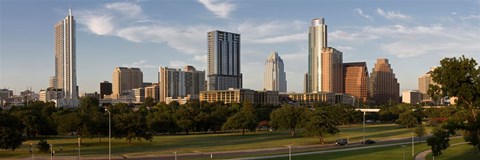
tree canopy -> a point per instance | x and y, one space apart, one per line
459 78
287 117
10 134
320 123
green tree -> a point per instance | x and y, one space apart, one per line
94 121
460 78
420 131
130 125
407 119
149 102
320 123
185 115
43 146
287 117
439 141
70 122
219 116
33 123
162 119
245 119
10 134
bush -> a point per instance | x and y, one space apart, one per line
43 146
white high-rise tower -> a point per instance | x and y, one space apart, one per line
317 40
274 76
65 61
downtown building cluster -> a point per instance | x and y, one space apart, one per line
328 79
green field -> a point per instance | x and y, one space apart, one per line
206 142
390 153
463 152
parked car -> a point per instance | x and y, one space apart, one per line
341 142
368 141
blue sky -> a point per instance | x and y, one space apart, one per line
413 35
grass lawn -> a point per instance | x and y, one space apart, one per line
167 144
461 152
386 153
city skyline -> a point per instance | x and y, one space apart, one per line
413 40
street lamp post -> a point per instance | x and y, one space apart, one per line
51 151
289 152
79 146
365 112
175 153
109 134
403 147
413 146
364 126
32 146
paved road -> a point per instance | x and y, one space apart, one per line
311 149
422 155
327 151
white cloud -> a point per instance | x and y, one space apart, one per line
268 32
98 24
186 40
140 64
177 64
404 41
126 8
200 58
391 15
221 9
339 35
471 17
282 39
360 12
344 48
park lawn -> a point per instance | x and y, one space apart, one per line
390 153
461 152
167 144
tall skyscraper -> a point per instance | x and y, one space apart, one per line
317 40
224 60
356 79
125 79
65 61
332 71
324 63
383 86
274 76
105 89
176 83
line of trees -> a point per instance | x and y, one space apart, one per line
39 120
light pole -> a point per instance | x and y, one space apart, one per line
289 152
403 147
32 150
364 112
413 146
175 153
79 145
109 134
51 151
364 126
